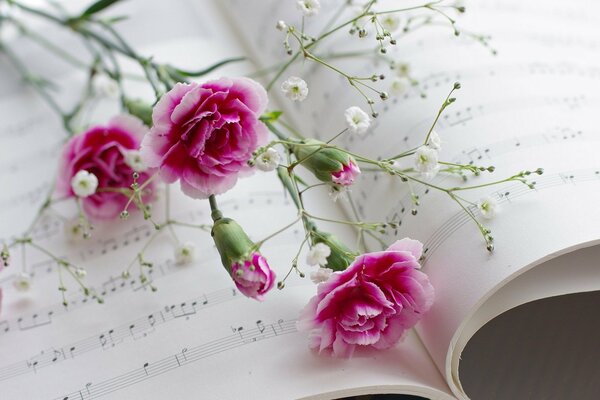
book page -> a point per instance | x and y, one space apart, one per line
196 334
533 105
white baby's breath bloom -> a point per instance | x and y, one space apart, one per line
426 161
402 69
321 275
295 88
434 141
134 160
318 254
73 230
84 183
488 207
398 86
22 282
390 22
105 86
358 121
184 253
281 25
80 273
269 160
309 7
336 192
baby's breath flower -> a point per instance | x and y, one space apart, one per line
318 254
321 275
358 121
398 86
434 141
22 282
281 25
80 273
426 161
336 192
295 88
184 253
269 160
309 7
133 159
84 183
488 207
402 69
390 22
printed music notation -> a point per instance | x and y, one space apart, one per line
481 156
117 284
507 195
241 336
108 339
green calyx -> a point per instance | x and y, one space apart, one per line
341 256
232 242
321 161
140 109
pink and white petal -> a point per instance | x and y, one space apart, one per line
407 244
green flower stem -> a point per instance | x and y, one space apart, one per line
216 214
259 244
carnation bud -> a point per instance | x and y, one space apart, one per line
327 164
140 109
340 257
246 266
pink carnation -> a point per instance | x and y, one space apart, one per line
203 135
346 175
372 303
254 278
101 151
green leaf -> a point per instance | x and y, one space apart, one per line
270 116
97 7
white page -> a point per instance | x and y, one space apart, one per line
533 105
103 349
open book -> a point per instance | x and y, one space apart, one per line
533 105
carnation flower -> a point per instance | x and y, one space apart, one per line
488 207
295 88
371 304
248 268
253 277
347 174
101 152
204 134
84 184
309 7
318 254
269 160
184 253
321 275
358 121
426 161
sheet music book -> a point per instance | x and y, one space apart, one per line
533 104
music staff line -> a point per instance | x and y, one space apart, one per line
134 330
115 284
506 195
478 155
149 370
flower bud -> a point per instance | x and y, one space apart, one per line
340 257
248 268
140 109
327 164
